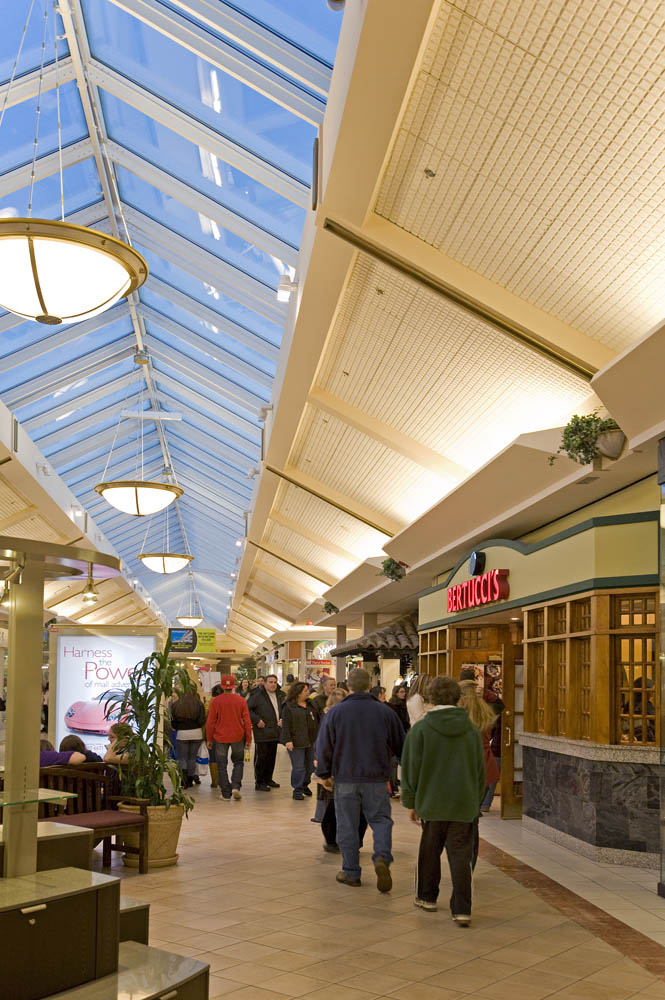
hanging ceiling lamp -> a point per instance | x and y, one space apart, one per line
89 595
191 614
164 561
52 271
139 497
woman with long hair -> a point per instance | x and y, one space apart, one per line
417 698
398 704
188 715
244 689
484 718
300 725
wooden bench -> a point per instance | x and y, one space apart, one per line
98 806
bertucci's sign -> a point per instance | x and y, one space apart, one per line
484 589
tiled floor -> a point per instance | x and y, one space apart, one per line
255 896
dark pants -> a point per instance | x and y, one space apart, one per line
187 751
221 754
265 755
457 838
371 798
302 765
329 825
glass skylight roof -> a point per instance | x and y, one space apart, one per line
218 215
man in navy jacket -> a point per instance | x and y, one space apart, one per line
355 748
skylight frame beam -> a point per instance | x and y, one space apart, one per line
45 166
229 390
288 58
217 431
227 58
32 390
197 400
71 430
79 402
201 203
239 286
209 347
211 317
26 87
199 134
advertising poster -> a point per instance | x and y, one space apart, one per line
89 666
318 653
193 640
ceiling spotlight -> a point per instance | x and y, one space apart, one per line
90 595
239 542
254 472
336 4
285 287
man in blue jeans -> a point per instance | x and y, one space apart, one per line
355 749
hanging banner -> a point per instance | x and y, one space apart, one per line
193 640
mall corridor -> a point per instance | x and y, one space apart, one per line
255 897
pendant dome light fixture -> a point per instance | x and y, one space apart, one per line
165 561
139 497
190 614
52 271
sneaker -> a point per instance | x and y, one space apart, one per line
307 791
273 784
262 788
331 848
384 881
345 880
424 904
236 794
225 798
461 919
298 795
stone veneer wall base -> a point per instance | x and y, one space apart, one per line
603 855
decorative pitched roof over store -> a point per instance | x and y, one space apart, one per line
392 639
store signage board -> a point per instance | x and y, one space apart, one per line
88 667
484 589
193 640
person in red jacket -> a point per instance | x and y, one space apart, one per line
229 727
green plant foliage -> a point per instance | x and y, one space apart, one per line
145 730
580 437
246 670
330 608
393 570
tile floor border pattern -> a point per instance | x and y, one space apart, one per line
631 943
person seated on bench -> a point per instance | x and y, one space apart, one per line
116 752
48 757
77 744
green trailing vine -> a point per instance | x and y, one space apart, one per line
393 569
579 439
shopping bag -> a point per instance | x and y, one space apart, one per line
202 760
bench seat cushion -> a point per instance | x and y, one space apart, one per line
104 819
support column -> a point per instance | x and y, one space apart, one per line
340 661
23 721
370 661
661 664
370 622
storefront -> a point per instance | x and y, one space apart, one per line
564 622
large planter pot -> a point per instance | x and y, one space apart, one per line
610 443
164 830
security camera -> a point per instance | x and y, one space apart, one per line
336 4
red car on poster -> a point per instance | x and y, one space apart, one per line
90 716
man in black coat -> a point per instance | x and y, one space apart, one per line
265 711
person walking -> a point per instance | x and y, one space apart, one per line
398 704
320 700
495 702
484 718
300 724
229 728
417 698
244 689
188 715
355 747
443 782
265 710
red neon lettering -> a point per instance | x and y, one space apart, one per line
483 588
495 585
491 586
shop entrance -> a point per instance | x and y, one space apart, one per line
493 646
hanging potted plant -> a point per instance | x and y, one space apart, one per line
330 608
393 570
145 748
588 437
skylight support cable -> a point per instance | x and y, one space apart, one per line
18 56
39 108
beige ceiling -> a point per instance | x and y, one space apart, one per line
512 152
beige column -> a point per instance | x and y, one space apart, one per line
23 721
340 661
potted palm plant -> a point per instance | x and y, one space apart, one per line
143 742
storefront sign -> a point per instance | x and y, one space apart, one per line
193 640
89 667
485 589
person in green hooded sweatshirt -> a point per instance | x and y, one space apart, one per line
443 783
